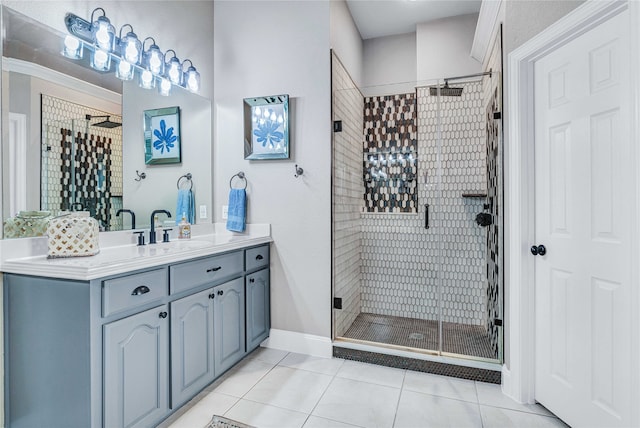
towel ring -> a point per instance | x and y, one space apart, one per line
188 177
241 176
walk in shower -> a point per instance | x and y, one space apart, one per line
417 216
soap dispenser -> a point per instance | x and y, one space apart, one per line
184 228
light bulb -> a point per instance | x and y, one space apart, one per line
273 117
266 113
72 47
257 111
131 52
146 79
165 87
280 119
125 70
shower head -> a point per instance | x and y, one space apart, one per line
445 91
105 123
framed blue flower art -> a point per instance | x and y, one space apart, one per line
162 136
266 127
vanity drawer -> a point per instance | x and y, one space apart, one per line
133 290
257 257
211 270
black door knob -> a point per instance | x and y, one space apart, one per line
220 292
538 250
163 315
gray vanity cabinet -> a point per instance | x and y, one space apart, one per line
229 324
192 359
128 349
136 369
258 315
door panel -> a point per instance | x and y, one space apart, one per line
584 200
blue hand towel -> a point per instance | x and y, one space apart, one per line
186 205
237 210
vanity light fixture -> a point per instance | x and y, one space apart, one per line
153 58
191 78
128 54
173 68
130 46
102 31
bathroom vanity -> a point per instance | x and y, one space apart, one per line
126 337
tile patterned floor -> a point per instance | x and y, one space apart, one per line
272 388
423 334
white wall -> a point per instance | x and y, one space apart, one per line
267 48
345 40
444 48
390 65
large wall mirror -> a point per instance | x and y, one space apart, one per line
73 138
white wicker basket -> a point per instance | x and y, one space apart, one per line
73 236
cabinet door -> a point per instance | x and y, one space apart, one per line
136 369
192 361
229 324
258 308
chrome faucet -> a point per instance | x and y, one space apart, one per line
152 232
133 216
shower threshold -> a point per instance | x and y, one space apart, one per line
421 336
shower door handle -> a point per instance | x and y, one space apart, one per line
426 216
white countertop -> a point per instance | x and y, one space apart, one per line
117 259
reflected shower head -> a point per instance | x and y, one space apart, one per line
105 123
445 90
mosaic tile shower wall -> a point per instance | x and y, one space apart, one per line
348 104
390 152
400 257
74 153
493 99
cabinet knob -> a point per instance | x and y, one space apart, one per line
215 269
163 315
143 289
220 292
259 257
212 295
252 280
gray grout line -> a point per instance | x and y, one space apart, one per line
395 415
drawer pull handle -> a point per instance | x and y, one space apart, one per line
163 315
215 269
220 292
143 289
259 257
212 295
252 280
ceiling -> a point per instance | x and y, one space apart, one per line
379 18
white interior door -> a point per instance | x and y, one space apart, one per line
584 205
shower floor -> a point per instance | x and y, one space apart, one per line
422 334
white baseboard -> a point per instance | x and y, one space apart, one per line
507 383
301 343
